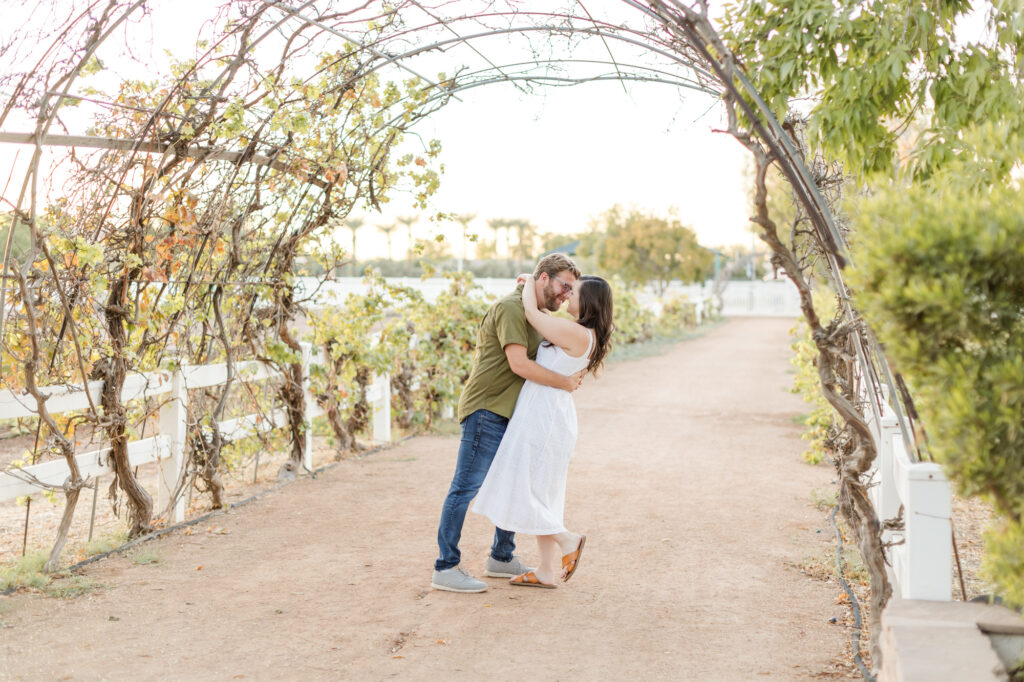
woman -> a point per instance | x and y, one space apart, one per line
524 490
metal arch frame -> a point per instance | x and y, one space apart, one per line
682 21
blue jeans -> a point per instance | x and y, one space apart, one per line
481 434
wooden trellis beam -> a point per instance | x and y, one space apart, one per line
151 147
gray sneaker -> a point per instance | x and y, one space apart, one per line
505 569
457 580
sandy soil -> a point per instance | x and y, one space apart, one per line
687 479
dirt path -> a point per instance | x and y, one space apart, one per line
687 479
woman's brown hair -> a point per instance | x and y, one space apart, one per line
596 313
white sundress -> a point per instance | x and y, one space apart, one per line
524 491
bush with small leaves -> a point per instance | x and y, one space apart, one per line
940 276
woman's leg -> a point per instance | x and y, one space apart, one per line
550 559
567 543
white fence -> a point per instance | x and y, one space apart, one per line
769 298
922 558
169 446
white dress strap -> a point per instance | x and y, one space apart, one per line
590 346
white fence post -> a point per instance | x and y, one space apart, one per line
447 411
382 409
888 504
699 310
307 401
924 564
173 424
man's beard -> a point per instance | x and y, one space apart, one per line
551 301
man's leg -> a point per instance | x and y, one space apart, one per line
504 545
481 435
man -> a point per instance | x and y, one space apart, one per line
505 351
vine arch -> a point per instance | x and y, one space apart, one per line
201 188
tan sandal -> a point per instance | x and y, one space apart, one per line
572 560
530 579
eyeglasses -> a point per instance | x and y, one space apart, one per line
566 288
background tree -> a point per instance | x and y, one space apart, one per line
21 240
354 224
387 230
497 225
433 250
549 241
408 222
486 249
644 248
463 219
526 237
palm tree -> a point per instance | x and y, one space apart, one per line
527 235
409 221
464 220
354 224
497 224
387 230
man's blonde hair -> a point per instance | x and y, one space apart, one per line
554 263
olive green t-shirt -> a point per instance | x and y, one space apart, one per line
492 384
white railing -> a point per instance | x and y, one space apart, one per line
740 298
922 558
168 448
771 298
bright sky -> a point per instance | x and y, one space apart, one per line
564 155
557 157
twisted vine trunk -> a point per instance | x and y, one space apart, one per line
345 430
206 449
402 384
139 502
291 393
359 418
332 404
114 366
836 377
285 310
73 486
206 458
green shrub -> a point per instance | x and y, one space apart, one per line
430 345
633 322
25 572
678 314
940 276
107 543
